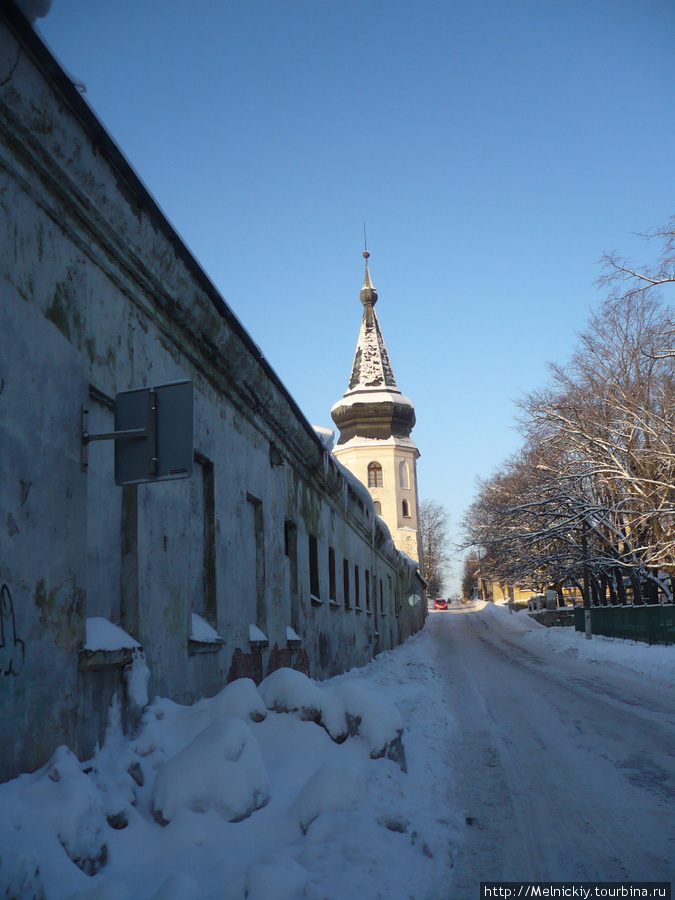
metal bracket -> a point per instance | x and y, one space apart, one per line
131 434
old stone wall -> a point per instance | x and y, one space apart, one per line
99 295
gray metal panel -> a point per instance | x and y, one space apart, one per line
166 452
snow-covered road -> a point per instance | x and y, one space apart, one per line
565 768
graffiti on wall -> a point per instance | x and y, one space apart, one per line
12 648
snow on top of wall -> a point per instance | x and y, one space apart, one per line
327 436
34 9
103 635
291 634
357 486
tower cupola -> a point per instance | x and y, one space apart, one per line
372 406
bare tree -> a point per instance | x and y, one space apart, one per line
470 570
625 278
434 521
590 498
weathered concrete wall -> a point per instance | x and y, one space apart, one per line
98 295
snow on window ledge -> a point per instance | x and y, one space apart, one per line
106 646
292 637
317 601
203 637
257 638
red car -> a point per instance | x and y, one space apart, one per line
440 604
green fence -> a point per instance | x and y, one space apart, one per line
651 624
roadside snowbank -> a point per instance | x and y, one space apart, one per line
656 662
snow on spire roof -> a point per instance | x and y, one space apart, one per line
371 369
372 406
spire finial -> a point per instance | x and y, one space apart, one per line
368 292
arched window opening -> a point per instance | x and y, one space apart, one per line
406 509
374 475
404 474
378 508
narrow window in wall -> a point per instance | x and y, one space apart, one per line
204 475
104 516
345 583
314 588
404 474
378 508
291 554
367 589
406 509
381 598
129 617
374 475
332 587
357 587
186 531
256 507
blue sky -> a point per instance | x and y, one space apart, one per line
494 149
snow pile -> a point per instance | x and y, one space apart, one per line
331 787
337 822
239 698
221 768
279 877
374 719
56 811
289 691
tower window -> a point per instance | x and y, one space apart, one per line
374 475
378 508
404 474
406 509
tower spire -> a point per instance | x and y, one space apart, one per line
372 405
368 292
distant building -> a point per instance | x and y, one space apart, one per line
375 421
269 555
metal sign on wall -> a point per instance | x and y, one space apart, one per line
153 434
